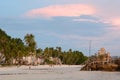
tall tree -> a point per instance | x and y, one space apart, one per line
30 43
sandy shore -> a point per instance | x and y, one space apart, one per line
45 72
36 67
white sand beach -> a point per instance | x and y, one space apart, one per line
63 72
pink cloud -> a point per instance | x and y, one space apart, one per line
68 10
88 20
115 21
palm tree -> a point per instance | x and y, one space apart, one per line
31 46
30 43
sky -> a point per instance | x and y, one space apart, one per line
65 23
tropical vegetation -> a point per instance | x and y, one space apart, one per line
15 48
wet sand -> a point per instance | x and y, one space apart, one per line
64 72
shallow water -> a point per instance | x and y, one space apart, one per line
56 73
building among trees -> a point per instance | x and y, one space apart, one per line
103 56
14 51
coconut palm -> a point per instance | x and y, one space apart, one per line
30 43
31 47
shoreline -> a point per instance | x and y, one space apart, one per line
63 72
5 68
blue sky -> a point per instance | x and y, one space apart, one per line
64 23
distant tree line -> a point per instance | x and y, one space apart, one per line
15 48
67 57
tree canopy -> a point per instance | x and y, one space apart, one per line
15 48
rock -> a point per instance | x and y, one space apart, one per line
101 67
